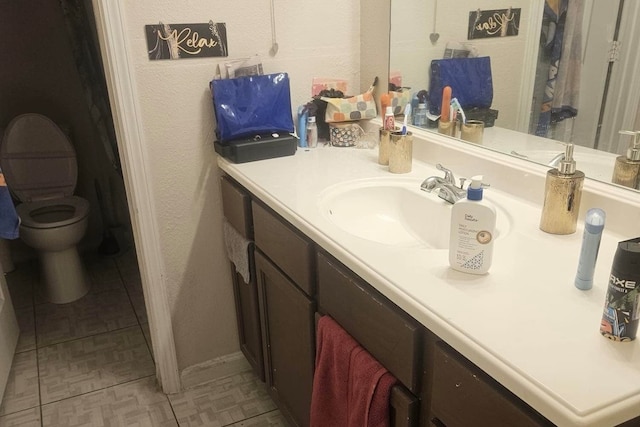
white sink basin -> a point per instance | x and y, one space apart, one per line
393 211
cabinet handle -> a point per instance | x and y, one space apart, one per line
437 423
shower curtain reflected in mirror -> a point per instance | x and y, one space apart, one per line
83 39
559 66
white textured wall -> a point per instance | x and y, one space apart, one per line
412 50
315 39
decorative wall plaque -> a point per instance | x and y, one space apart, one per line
493 23
178 41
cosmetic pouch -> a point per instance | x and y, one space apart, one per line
252 105
399 100
358 107
469 78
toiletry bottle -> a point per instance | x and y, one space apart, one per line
312 132
420 116
303 116
562 194
473 223
415 101
593 226
627 168
389 119
621 313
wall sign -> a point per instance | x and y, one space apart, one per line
177 41
493 23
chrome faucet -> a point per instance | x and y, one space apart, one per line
447 189
556 160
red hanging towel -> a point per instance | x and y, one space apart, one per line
350 387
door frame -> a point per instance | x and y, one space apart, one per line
9 333
624 89
110 25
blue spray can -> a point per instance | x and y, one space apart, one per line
593 226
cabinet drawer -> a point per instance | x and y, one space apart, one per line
390 335
464 395
236 206
285 246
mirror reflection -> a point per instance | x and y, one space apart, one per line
560 71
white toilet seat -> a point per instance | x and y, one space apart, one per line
53 213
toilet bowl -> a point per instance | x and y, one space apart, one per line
39 164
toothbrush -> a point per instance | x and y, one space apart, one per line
407 113
457 107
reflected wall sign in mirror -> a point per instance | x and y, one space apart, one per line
602 89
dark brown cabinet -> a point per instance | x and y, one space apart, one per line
293 279
285 271
288 335
464 395
390 335
236 204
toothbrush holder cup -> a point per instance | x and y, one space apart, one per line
384 145
472 131
400 152
449 128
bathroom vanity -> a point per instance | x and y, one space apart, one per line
519 346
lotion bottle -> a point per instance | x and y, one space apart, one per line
562 194
473 223
627 168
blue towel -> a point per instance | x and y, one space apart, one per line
9 221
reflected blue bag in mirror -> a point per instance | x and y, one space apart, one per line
252 105
469 78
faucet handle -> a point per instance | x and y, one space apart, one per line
448 175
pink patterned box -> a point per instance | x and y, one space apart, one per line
319 84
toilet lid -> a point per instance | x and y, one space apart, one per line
37 159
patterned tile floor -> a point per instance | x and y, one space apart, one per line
89 363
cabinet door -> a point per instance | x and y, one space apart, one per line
390 335
288 336
248 319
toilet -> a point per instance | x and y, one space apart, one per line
39 165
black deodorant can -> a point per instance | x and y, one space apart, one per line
622 303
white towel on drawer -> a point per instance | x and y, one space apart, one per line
237 250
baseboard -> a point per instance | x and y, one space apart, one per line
220 367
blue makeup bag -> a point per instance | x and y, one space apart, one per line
469 78
252 105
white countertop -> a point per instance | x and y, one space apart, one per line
524 323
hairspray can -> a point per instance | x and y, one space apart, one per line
622 303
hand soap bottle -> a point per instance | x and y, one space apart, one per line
562 194
473 223
627 168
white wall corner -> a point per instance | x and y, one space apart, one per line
110 22
375 27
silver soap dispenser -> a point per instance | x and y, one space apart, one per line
627 168
562 194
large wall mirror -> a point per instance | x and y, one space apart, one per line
603 89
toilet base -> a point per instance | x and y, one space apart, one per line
64 279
